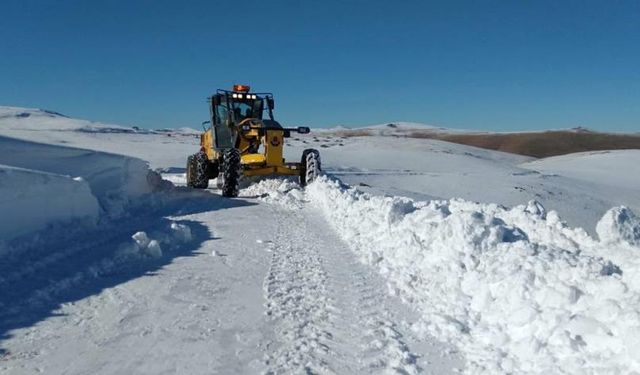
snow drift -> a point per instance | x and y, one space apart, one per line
30 200
114 180
516 289
44 184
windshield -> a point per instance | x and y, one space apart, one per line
247 109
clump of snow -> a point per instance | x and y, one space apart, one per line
151 245
516 289
619 225
175 178
181 232
281 191
143 245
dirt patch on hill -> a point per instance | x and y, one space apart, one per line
536 144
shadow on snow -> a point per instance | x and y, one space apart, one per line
51 271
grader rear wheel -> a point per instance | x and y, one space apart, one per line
310 166
197 176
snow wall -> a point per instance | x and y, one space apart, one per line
44 184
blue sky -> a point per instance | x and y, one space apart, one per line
492 65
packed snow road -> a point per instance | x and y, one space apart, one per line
252 287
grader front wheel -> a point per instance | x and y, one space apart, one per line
229 176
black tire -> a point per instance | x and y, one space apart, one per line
212 170
229 176
310 166
191 171
197 171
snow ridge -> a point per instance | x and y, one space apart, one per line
516 288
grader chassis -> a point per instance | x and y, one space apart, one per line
239 142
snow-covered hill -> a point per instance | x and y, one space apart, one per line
389 129
412 256
614 168
168 146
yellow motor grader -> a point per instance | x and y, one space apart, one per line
238 142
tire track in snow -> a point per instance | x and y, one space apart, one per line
298 304
364 318
328 310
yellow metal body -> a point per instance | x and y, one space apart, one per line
206 144
255 162
270 160
253 159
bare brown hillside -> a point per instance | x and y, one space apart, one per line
536 144
545 144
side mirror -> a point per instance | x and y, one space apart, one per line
270 103
204 123
304 130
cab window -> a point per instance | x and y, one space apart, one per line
222 114
224 137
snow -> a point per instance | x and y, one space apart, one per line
167 147
45 185
617 168
411 256
426 169
516 289
115 181
143 245
31 200
388 129
619 225
285 192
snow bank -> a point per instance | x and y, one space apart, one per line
115 181
45 186
517 290
30 200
